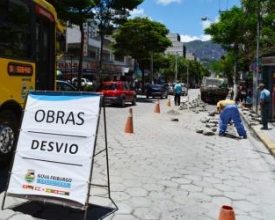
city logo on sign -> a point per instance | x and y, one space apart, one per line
30 175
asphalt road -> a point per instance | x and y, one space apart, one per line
165 170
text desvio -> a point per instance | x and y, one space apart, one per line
54 146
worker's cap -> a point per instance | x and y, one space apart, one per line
261 85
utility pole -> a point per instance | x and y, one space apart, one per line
152 67
187 75
256 76
176 67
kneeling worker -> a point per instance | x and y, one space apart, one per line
229 111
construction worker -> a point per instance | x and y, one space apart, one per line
228 110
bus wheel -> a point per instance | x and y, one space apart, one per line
8 135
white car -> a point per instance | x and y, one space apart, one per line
84 82
184 90
64 86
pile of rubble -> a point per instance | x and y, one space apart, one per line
250 116
196 105
209 124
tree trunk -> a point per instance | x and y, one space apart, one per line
235 85
101 54
79 75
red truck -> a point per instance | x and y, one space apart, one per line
118 93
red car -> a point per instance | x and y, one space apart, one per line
118 93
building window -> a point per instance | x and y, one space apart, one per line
106 57
119 58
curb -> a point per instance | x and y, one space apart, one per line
270 144
264 138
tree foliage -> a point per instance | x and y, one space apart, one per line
75 13
139 37
109 14
190 70
106 14
238 28
229 31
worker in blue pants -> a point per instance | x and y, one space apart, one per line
229 111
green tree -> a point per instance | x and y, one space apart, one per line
141 38
109 14
194 69
230 33
76 13
196 72
260 16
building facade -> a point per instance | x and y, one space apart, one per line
112 66
177 47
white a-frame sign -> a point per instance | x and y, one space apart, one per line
56 147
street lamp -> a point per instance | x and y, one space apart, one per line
206 22
207 19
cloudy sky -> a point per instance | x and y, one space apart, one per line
184 17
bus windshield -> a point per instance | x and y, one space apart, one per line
15 26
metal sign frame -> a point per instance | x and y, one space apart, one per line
61 201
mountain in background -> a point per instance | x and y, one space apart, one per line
204 50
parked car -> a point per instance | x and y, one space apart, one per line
171 89
184 90
157 90
64 86
84 82
118 93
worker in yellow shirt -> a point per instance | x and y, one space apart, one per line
229 111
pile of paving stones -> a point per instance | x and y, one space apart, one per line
209 124
251 117
196 105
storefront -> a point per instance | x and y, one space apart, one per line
69 69
268 78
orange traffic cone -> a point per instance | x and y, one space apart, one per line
168 101
226 213
129 123
157 109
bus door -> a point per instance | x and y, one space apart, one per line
45 54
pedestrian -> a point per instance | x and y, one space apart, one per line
177 93
228 110
265 99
